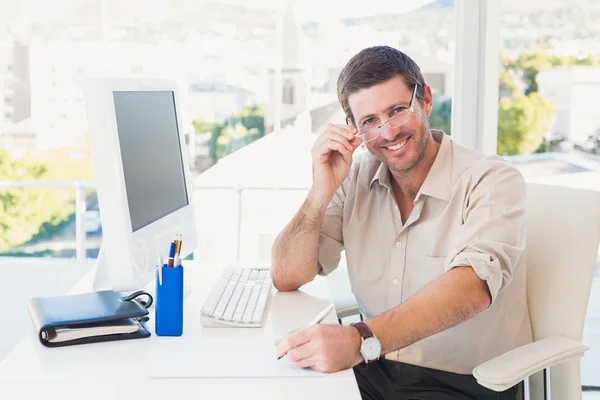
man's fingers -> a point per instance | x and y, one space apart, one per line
357 141
330 145
348 131
301 352
308 362
292 341
341 139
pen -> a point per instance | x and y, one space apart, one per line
320 317
171 254
178 244
159 265
177 260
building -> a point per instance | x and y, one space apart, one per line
438 74
574 92
45 80
6 110
295 78
217 101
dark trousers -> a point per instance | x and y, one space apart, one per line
387 379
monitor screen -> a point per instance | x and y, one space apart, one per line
151 155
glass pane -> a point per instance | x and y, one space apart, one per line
548 124
221 54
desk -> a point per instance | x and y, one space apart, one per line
114 370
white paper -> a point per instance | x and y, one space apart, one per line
212 358
65 333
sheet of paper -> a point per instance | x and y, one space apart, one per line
211 358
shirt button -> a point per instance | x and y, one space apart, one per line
398 244
395 281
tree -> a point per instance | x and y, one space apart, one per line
242 128
557 61
441 114
507 86
234 138
522 123
529 65
24 213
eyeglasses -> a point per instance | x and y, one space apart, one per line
372 131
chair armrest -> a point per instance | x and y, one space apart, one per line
510 368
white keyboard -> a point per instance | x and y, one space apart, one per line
239 299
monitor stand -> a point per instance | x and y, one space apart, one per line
102 280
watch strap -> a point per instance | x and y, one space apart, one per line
363 329
365 332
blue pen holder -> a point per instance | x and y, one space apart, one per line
169 302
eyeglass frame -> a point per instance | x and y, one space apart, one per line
410 109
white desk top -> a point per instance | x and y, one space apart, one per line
115 370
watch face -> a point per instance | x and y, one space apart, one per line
370 349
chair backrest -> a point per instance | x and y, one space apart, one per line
563 234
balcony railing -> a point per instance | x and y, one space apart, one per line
80 188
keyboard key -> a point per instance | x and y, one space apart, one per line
249 313
233 303
262 275
253 275
240 296
262 303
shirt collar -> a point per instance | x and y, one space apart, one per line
438 182
382 175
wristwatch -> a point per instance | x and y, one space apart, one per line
370 348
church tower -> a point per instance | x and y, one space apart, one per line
294 82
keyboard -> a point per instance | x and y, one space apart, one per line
238 299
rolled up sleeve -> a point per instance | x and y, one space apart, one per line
492 237
331 242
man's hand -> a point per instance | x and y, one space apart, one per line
332 157
324 348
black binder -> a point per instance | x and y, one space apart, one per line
91 317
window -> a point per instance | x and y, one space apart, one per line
288 92
546 122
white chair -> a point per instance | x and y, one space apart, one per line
563 232
341 291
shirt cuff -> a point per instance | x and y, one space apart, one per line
486 267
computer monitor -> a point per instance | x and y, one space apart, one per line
142 177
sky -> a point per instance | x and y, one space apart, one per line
315 10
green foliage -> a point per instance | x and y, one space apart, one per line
15 253
233 138
522 122
556 61
441 114
528 64
24 213
252 117
202 126
507 86
242 128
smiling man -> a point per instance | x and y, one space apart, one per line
434 235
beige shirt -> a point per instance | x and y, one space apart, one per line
470 211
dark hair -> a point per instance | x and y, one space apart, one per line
375 65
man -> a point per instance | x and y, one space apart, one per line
433 234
